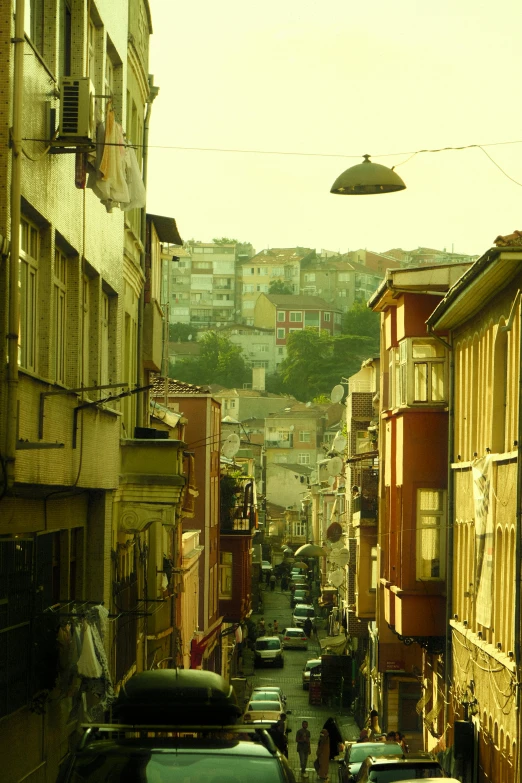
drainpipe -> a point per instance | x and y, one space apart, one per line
142 417
14 256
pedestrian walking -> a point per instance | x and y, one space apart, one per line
322 760
284 582
302 739
272 582
336 738
278 734
308 627
268 576
276 626
261 626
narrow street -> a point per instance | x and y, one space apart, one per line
277 607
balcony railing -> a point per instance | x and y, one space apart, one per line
365 506
280 444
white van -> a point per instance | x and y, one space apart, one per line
268 650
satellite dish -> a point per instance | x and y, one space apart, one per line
337 393
334 466
340 556
336 578
231 446
339 442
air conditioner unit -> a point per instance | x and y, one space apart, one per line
76 109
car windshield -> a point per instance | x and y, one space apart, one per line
294 632
361 751
138 766
262 695
303 611
397 772
312 665
268 644
265 706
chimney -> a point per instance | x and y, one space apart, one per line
258 378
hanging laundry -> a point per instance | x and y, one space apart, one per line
88 664
108 180
137 193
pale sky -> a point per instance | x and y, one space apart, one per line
337 77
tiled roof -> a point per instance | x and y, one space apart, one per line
310 302
509 240
175 387
279 255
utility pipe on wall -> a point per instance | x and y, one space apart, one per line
14 255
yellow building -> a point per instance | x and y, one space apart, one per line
482 314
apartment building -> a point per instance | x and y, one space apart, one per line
199 281
89 502
480 318
256 273
413 454
340 281
257 344
286 314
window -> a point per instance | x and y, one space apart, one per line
343 277
300 527
231 403
296 317
225 575
28 285
373 569
309 277
281 315
430 533
34 22
86 333
303 458
422 372
249 306
304 437
60 314
104 348
326 316
280 351
280 334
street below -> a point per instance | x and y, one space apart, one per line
277 607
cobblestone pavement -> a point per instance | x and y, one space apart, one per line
277 607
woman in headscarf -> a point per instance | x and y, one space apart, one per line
336 739
323 755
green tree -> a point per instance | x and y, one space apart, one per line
279 287
362 321
316 361
220 361
181 333
224 241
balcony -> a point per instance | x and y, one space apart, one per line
280 444
223 303
237 512
151 483
364 508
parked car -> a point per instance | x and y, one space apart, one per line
268 650
262 695
191 754
271 689
355 753
265 711
296 638
313 663
301 612
300 596
392 769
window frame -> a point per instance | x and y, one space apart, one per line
226 575
28 281
303 438
303 458
406 374
296 316
279 335
59 326
439 527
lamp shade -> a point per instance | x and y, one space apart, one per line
311 550
367 178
